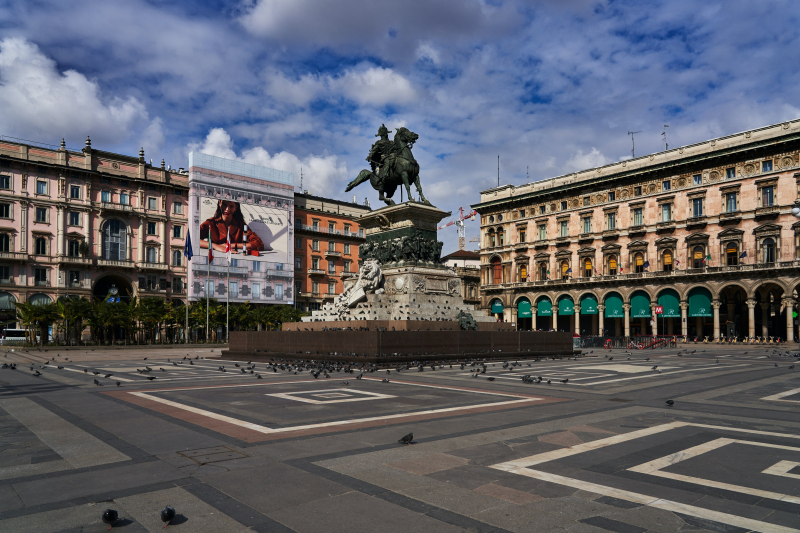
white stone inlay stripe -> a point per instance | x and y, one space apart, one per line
654 467
655 374
781 468
337 393
777 397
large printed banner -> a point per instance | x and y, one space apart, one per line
252 208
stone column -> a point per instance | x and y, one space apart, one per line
751 318
129 246
764 319
715 305
60 231
514 319
627 309
600 326
23 225
162 232
577 309
140 242
789 306
534 310
554 318
684 321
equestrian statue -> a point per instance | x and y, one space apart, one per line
392 165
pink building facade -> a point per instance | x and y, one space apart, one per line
703 232
88 223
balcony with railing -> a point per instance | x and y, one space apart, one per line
14 256
339 232
111 206
115 263
768 210
153 266
332 253
316 272
41 283
75 260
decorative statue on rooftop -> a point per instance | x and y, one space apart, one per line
392 165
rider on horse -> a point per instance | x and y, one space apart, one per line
382 154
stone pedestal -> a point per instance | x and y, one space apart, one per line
414 285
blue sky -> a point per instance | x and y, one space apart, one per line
551 86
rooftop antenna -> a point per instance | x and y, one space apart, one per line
498 170
527 173
664 134
633 143
301 180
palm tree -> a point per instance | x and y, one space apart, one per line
25 312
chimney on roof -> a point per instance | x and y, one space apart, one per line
162 164
63 145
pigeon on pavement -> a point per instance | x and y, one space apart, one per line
407 439
109 517
167 514
118 383
670 402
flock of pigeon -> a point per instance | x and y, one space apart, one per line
110 516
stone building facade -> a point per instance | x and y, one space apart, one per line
467 266
705 232
327 236
82 223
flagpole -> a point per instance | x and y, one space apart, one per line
228 291
208 275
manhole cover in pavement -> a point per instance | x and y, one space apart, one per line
212 455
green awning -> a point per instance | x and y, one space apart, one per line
669 300
614 307
524 309
566 307
589 305
700 302
640 306
544 308
497 306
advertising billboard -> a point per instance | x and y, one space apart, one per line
252 208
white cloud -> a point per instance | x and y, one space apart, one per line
366 85
39 101
582 161
152 139
321 173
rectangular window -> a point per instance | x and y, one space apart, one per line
766 166
697 179
5 182
279 291
347 266
105 196
331 227
256 266
346 249
234 288
5 273
697 207
151 204
209 287
564 206
331 246
74 218
40 275
177 232
522 235
587 201
563 228
331 267
5 210
730 202
315 245
41 214
298 243
298 263
766 196
730 173
612 196
521 213
41 187
541 209
665 185
177 257
666 212
542 232
638 216
612 220
177 208
637 191
315 225
256 291
315 264
151 228
587 224
331 288
124 198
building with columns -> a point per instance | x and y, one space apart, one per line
704 232
85 222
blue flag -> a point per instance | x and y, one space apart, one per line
743 255
647 264
569 271
187 248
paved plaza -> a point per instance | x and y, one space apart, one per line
591 447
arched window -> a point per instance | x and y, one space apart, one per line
501 235
523 273
587 268
74 248
115 239
667 260
612 265
152 255
497 271
638 263
492 239
5 242
40 299
7 301
564 269
698 254
542 271
41 246
732 254
769 250
177 258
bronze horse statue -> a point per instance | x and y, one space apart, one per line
395 165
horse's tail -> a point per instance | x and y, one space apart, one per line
364 175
